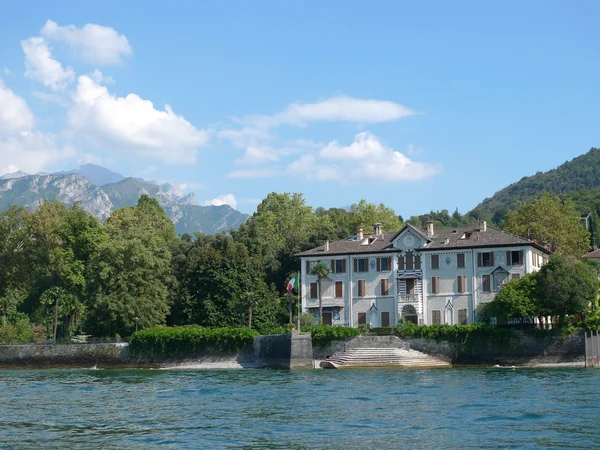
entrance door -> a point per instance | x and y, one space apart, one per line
327 318
410 286
385 319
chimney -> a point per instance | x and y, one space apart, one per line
359 233
483 225
327 245
446 241
430 228
377 229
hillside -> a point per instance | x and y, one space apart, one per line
578 179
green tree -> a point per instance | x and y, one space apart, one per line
566 287
551 221
131 273
517 298
321 271
364 214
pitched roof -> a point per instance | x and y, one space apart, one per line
594 255
464 237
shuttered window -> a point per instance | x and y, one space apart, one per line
338 266
314 290
384 287
361 265
462 316
361 288
435 285
462 281
400 262
417 262
485 259
436 317
514 257
435 261
362 318
460 260
486 281
384 264
339 289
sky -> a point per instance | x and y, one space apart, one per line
417 105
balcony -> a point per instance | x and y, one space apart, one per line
327 302
409 298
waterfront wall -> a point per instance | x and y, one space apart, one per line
359 342
523 348
284 351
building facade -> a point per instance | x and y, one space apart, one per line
422 276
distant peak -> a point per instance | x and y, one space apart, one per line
11 175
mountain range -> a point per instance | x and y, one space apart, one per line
102 191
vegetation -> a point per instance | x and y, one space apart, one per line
323 335
187 340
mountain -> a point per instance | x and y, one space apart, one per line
18 174
578 179
102 199
97 175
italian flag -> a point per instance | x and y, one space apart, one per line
292 284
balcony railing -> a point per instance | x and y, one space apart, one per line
408 298
327 302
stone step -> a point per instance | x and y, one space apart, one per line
382 357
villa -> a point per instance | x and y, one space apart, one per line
426 277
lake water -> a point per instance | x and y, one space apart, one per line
350 409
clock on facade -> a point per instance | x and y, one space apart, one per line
409 240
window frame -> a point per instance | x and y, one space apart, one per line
434 320
435 285
361 286
341 287
460 260
314 286
485 278
461 284
435 261
385 283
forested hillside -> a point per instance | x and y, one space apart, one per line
578 179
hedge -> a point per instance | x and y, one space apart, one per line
187 340
323 335
457 334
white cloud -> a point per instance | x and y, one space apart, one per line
247 136
15 115
99 77
93 43
7 71
258 155
41 67
345 108
308 167
226 199
133 124
262 172
31 152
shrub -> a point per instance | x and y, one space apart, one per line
324 334
188 340
456 334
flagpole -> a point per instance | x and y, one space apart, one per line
299 302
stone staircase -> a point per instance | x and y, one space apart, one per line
381 357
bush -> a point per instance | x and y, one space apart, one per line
188 340
324 334
456 334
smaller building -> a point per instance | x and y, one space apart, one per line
422 276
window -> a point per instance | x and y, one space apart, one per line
338 266
460 260
462 316
385 319
515 276
400 262
462 283
313 290
384 264
514 258
362 318
361 265
361 288
384 287
435 285
436 317
310 265
486 281
410 260
435 261
485 259
339 289
417 262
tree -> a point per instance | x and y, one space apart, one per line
321 271
363 214
517 298
566 287
131 273
549 220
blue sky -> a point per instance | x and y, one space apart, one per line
423 106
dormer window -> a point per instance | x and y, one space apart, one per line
467 235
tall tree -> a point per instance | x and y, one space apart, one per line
550 220
131 274
364 214
321 271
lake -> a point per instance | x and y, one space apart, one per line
264 409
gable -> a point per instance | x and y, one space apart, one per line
407 239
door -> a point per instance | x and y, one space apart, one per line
327 319
410 286
385 319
